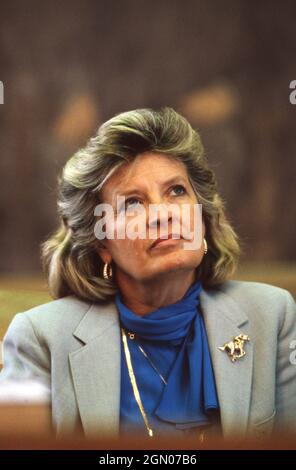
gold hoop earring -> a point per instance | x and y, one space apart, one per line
107 271
206 246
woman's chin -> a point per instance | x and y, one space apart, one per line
173 264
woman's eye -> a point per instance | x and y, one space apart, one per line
179 190
131 202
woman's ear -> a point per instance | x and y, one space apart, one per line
103 252
203 228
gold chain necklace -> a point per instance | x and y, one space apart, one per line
134 383
132 337
135 386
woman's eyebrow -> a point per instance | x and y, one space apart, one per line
175 179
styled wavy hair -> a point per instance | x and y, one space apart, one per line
69 256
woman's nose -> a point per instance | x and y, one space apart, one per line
159 215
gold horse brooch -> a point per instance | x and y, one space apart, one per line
235 348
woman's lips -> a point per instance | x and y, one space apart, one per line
172 240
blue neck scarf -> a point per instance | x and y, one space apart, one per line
176 339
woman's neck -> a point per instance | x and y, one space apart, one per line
147 296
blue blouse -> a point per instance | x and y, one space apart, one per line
175 341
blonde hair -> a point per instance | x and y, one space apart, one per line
69 256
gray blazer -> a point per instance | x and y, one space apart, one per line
73 347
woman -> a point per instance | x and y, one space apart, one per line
148 334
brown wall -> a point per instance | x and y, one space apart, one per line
67 66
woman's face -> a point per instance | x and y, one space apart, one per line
152 178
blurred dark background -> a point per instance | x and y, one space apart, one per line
67 66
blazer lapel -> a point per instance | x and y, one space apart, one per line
224 320
95 369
